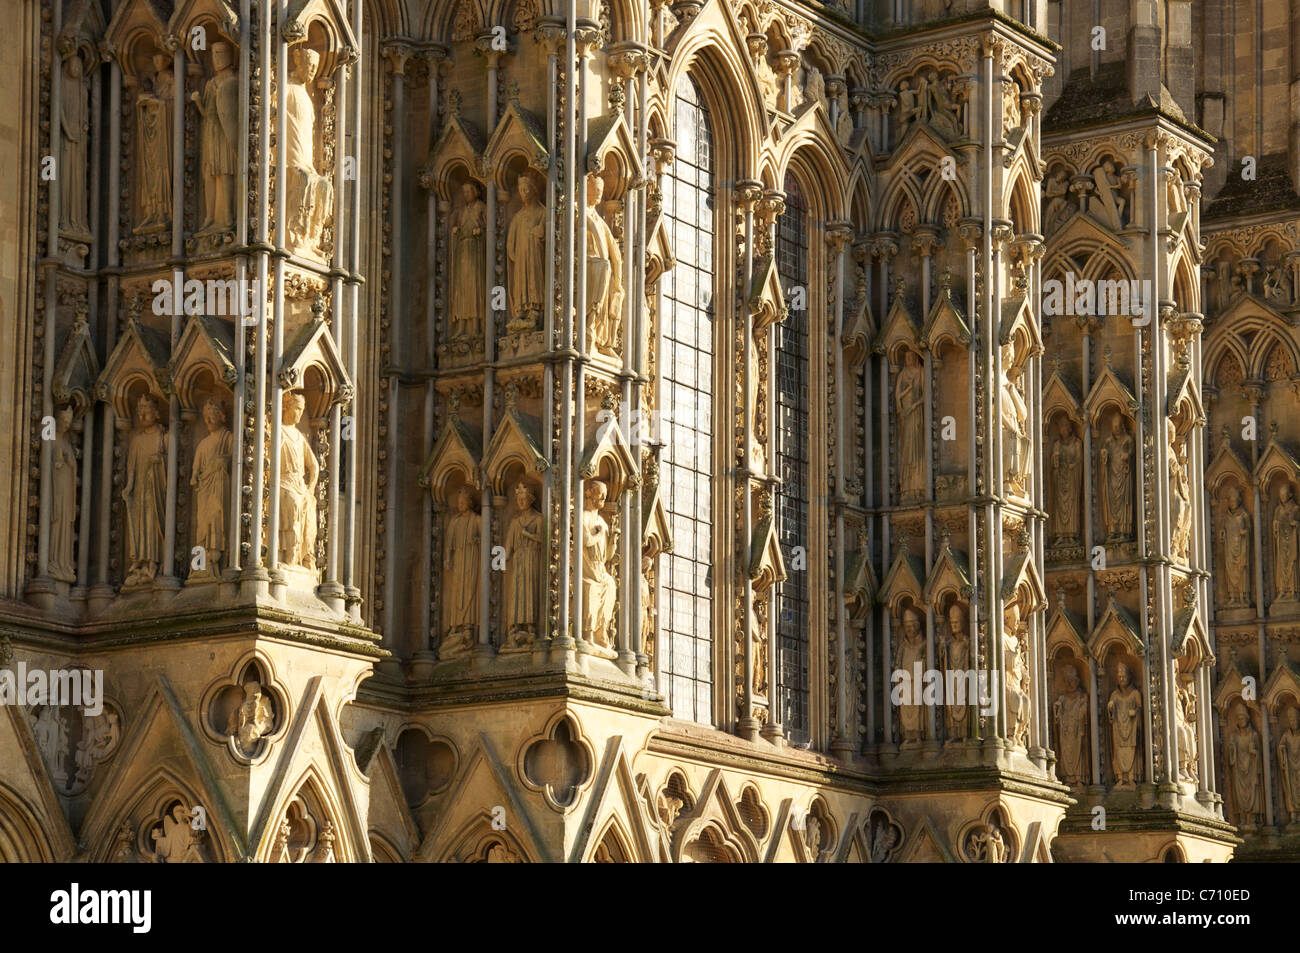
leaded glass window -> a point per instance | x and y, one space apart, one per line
687 398
791 459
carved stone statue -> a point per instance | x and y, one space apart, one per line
1015 635
1180 498
1124 709
74 125
1286 552
63 498
956 658
814 85
1117 481
145 494
298 473
1067 478
1288 764
604 275
599 588
525 255
843 117
523 582
1185 729
1056 190
912 104
252 719
468 264
1241 758
154 137
910 652
210 478
943 111
51 732
310 195
1107 204
1277 285
647 606
1015 423
219 108
175 839
1235 540
909 402
1071 712
460 576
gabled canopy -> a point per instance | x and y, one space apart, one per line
945 323
1115 625
313 346
947 575
519 131
205 344
140 355
1231 682
514 443
1275 460
859 333
459 143
1059 396
766 298
456 452
1065 628
1226 466
1283 681
1109 389
189 12
898 329
766 564
77 368
609 451
608 136
903 579
656 530
860 585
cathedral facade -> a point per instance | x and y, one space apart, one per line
619 431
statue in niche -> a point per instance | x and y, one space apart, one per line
1180 498
1071 711
1056 190
460 576
647 606
1286 553
468 262
912 103
145 494
219 108
1011 113
1288 765
599 588
310 194
1117 481
814 85
1235 540
909 655
154 135
1015 422
74 126
909 402
604 275
210 480
51 732
1123 709
767 80
252 719
956 658
1185 730
1108 204
99 737
525 255
298 473
843 118
1015 635
758 631
523 567
1067 478
1241 758
942 109
1277 285
175 840
63 498
986 845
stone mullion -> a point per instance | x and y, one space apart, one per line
838 236
747 726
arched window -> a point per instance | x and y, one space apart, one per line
791 459
686 617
